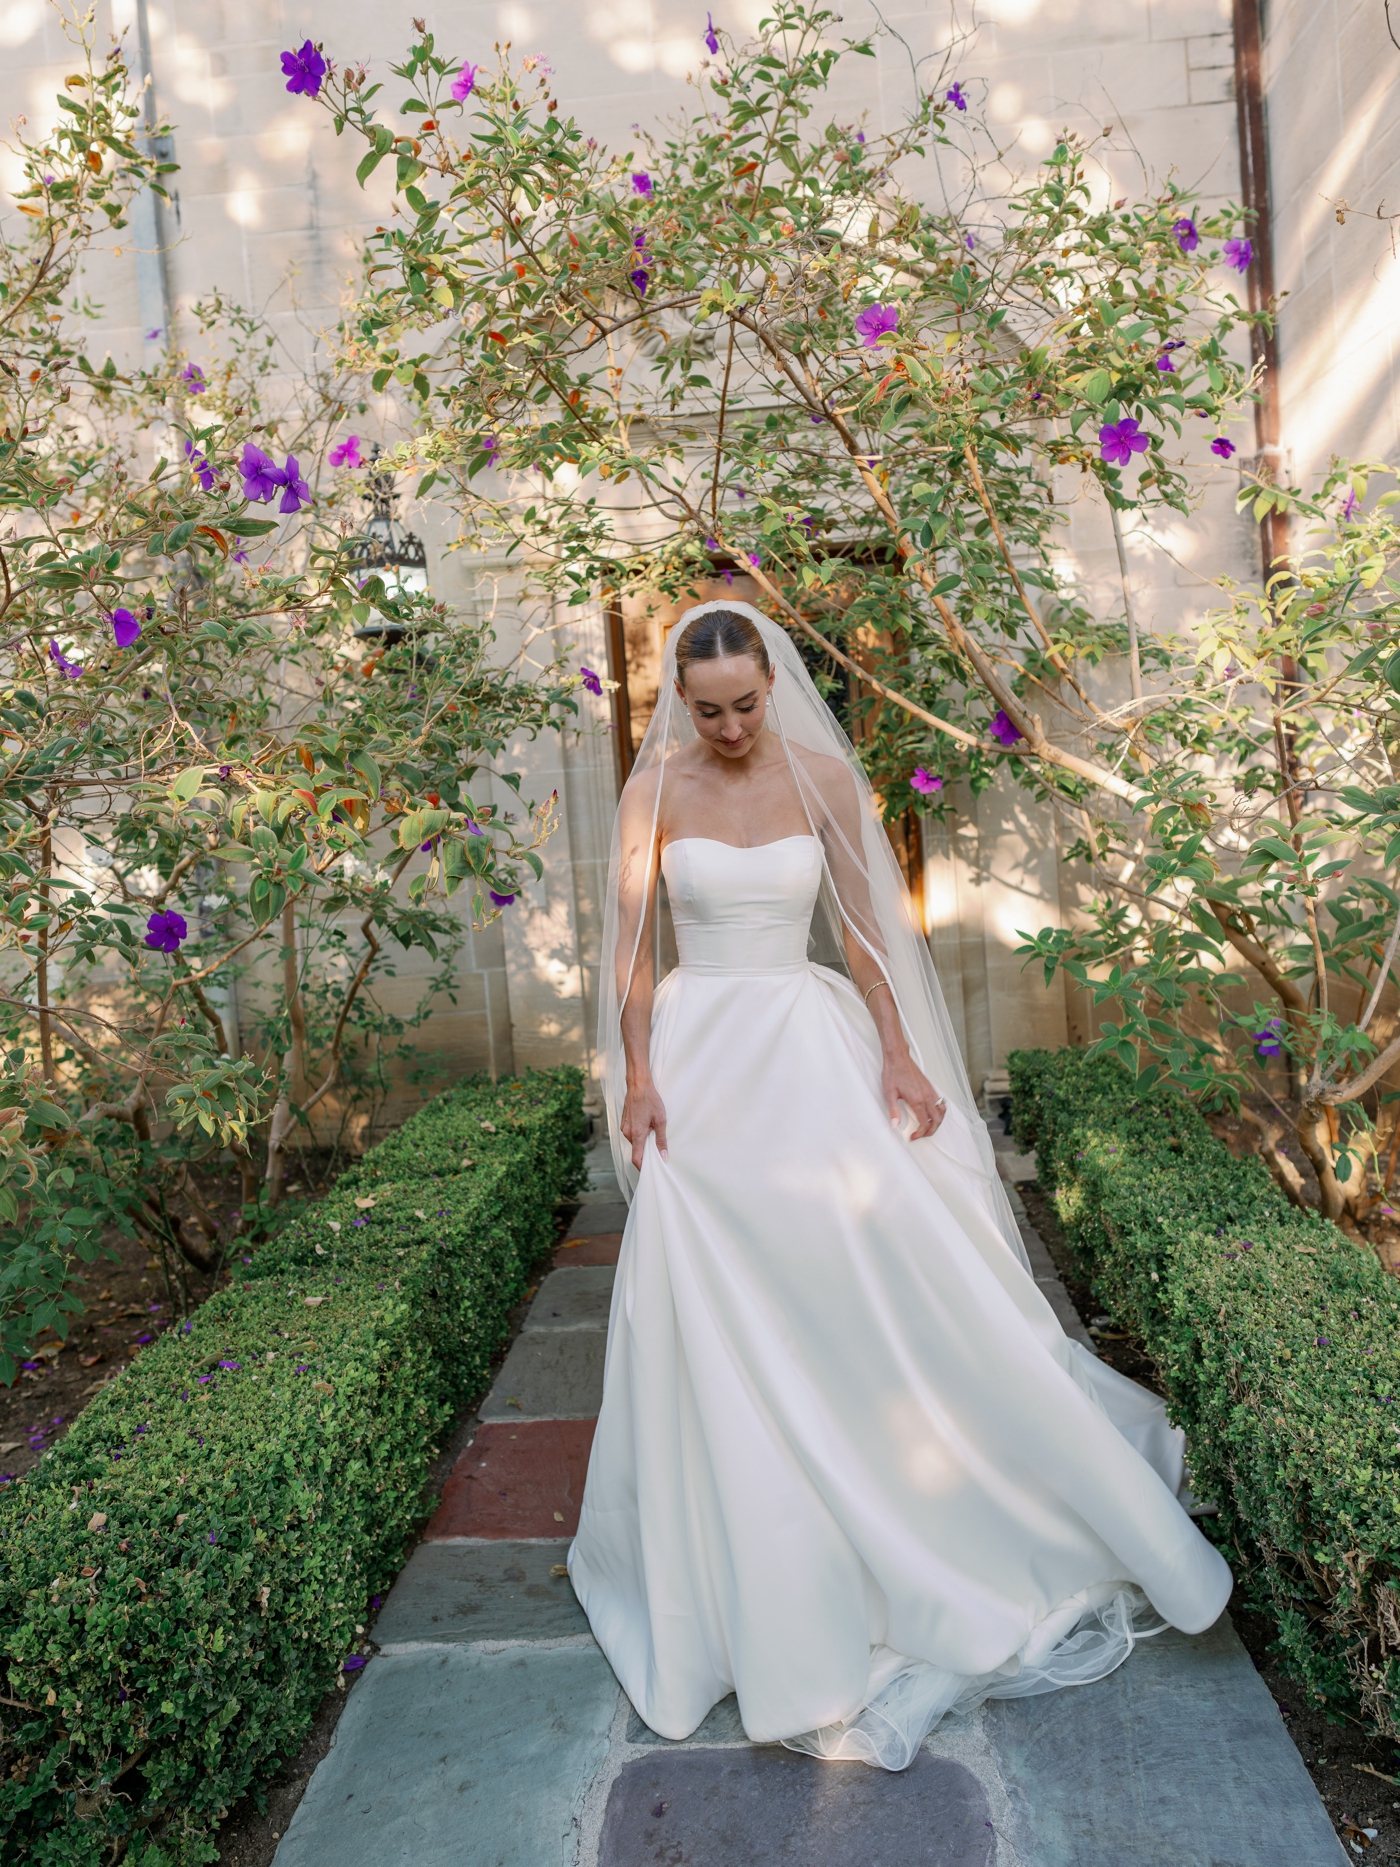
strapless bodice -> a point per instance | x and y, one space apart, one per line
742 910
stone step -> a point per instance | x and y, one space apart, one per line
549 1375
518 1479
576 1297
456 1594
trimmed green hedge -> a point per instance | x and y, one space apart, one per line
183 1576
1277 1339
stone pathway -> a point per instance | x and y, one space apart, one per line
490 1732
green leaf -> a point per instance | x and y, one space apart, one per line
188 784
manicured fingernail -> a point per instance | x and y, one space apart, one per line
664 1154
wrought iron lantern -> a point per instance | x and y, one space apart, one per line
386 545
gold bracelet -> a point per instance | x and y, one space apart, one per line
875 988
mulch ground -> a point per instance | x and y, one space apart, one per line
1357 1776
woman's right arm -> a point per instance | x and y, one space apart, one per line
642 1112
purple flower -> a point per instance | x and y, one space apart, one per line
1001 728
297 493
875 322
591 681
374 1605
194 376
199 466
1165 364
490 446
1238 254
1223 446
240 557
304 71
202 1378
860 136
234 1365
151 336
971 242
144 1339
125 627
755 558
954 96
925 781
1268 1042
465 83
1349 506
73 669
711 41
639 278
213 1534
353 1664
261 474
501 901
164 932
1187 237
347 453
1119 441
641 184
1324 1341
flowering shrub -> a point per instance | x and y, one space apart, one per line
870 407
185 1572
203 768
1276 1340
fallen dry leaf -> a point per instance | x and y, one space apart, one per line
311 1302
334 1224
320 1251
559 1568
323 1387
89 1361
98 1520
419 1215
559 1516
362 1203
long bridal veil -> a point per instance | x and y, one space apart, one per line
863 895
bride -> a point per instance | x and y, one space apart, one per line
848 1465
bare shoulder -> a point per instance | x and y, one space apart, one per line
832 777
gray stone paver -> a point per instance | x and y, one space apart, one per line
490 1731
1178 1759
549 1374
453 1757
573 1299
765 1807
466 1593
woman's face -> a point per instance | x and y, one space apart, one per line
728 702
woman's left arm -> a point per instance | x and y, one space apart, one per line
901 1078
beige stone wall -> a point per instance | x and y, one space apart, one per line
269 211
1332 77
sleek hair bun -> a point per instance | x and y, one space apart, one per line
719 635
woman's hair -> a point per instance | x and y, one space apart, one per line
716 636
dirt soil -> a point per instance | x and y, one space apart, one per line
1357 1776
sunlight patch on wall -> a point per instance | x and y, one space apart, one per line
244 203
20 21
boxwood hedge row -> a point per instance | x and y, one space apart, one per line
1278 1341
183 1577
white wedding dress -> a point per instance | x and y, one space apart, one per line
848 1465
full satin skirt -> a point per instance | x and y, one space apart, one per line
848 1465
